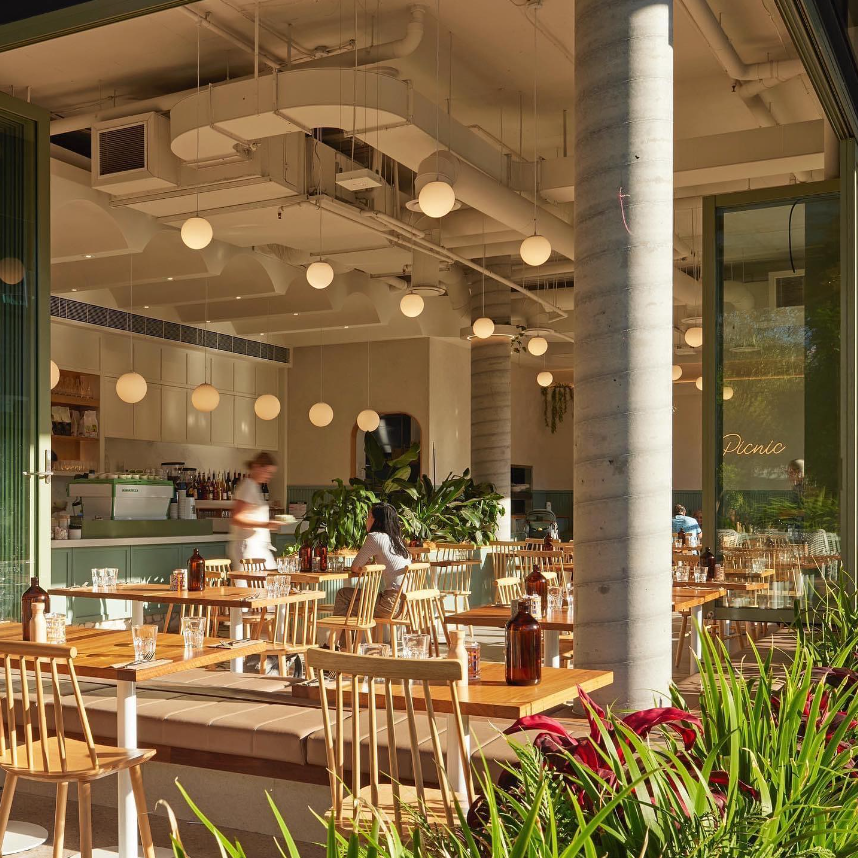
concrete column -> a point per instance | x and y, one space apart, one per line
490 396
623 319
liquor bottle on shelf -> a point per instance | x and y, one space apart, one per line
266 494
196 573
536 584
34 593
523 661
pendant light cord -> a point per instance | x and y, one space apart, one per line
535 115
199 28
131 307
368 375
438 88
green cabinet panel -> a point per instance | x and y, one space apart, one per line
281 540
60 576
152 564
83 561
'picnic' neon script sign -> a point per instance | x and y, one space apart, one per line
734 443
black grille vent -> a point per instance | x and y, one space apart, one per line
121 150
119 320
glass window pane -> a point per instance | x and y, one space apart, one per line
778 513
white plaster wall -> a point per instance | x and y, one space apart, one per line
687 438
449 407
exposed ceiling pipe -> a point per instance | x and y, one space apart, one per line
482 192
296 45
456 284
206 21
393 50
688 291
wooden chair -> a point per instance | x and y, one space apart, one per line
507 589
550 562
453 579
217 575
504 556
415 577
261 622
357 809
298 622
454 550
424 614
30 750
358 621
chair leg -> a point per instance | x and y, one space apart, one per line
60 819
84 812
6 804
167 619
142 814
681 642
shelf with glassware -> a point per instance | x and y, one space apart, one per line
75 424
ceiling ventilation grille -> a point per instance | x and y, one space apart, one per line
122 149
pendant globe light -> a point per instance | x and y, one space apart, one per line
536 248
267 406
437 198
321 414
694 337
699 382
55 375
368 419
320 274
411 305
205 397
728 392
677 372
545 378
484 327
197 232
131 387
537 346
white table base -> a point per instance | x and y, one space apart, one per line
126 737
695 640
113 852
21 836
236 632
455 769
551 637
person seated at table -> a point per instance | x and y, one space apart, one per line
383 544
684 522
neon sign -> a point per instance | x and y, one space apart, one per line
734 443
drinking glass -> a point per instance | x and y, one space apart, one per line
97 578
377 649
415 645
472 648
144 638
109 578
569 595
193 631
555 599
271 586
699 575
284 585
56 628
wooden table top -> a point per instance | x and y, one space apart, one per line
217 597
491 696
686 598
440 564
497 616
323 577
748 573
98 649
723 585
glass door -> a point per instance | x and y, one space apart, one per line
25 346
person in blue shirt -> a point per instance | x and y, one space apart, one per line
684 522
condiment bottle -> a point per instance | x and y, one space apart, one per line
523 648
457 650
38 624
536 584
32 595
196 573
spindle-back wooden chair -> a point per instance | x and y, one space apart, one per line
295 631
34 746
507 589
359 620
217 575
504 554
550 564
345 678
424 614
415 577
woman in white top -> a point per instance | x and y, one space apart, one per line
383 544
250 526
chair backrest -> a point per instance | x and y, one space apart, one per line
549 562
218 569
253 564
415 577
363 603
504 557
403 683
39 662
453 577
424 614
454 550
507 589
300 615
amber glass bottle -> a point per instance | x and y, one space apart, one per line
548 542
320 550
523 649
196 573
34 593
536 584
707 562
305 556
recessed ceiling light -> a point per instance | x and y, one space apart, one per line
145 306
294 314
169 278
87 256
345 327
238 297
74 290
208 321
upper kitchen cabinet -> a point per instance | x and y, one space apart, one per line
147 415
245 422
266 379
174 365
117 417
196 368
223 372
245 377
75 348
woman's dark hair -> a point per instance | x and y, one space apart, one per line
385 519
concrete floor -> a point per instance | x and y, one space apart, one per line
245 816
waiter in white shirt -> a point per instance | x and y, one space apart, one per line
250 524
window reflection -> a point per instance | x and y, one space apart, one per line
779 474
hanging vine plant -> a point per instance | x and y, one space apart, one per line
555 402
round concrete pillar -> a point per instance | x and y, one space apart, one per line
490 396
623 339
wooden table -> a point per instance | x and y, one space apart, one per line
692 599
747 573
497 616
236 599
97 650
491 697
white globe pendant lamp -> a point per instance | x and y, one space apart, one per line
537 346
205 397
694 337
411 305
320 275
728 392
197 233
267 406
677 372
55 375
484 327
368 420
699 382
535 249
321 414
131 387
545 378
437 198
